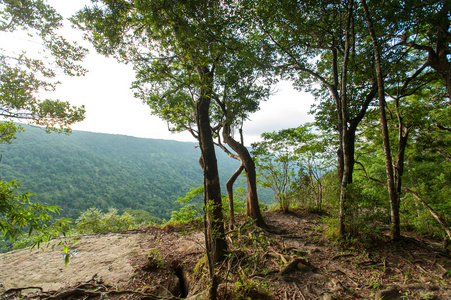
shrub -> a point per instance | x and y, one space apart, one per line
94 221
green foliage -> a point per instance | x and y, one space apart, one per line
57 229
293 163
143 218
8 131
18 213
239 201
5 245
277 172
422 118
94 221
192 205
24 78
86 170
247 289
156 260
191 209
364 210
23 81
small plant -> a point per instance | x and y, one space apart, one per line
156 259
405 295
427 296
248 290
372 282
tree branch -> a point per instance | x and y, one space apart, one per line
369 177
297 64
443 127
439 219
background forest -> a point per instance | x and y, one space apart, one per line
87 170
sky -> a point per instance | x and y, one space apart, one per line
111 107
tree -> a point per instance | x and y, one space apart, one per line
276 166
18 213
425 27
322 48
391 80
291 159
238 95
394 199
415 140
95 221
21 80
176 48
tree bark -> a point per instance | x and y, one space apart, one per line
393 195
252 207
438 55
344 134
212 201
229 186
348 168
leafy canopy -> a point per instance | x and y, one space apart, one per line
24 79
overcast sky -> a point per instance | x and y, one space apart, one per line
111 108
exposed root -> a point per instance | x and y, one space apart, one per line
93 288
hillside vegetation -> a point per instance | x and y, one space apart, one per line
86 170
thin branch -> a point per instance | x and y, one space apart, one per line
439 219
369 177
297 64
443 127
227 151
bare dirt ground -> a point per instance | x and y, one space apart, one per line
411 269
290 260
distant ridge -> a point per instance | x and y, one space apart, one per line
89 169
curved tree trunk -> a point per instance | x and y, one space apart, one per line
437 217
229 186
252 207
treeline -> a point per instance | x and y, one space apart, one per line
87 170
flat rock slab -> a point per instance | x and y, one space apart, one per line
107 255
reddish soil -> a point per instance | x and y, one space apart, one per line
290 260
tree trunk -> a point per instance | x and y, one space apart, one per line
212 200
348 168
403 137
229 186
393 195
342 108
252 207
439 60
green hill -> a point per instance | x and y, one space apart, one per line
92 169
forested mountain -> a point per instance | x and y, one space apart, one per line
91 169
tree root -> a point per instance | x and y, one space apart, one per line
293 265
89 289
